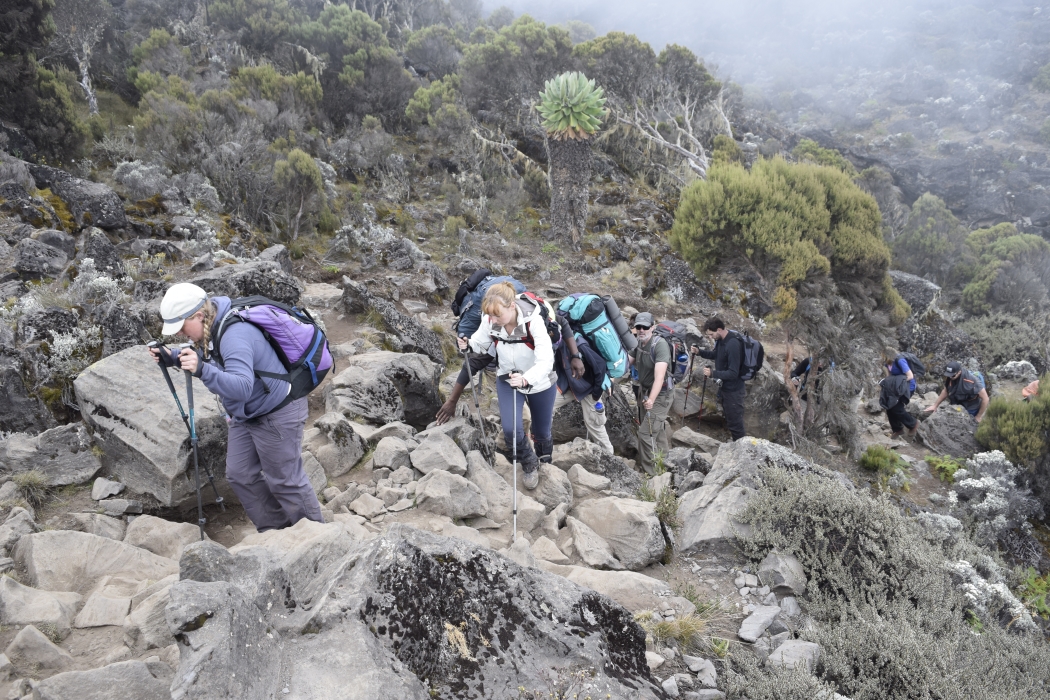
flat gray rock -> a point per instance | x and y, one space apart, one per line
31 651
104 488
795 653
438 451
125 680
448 494
756 623
630 527
62 455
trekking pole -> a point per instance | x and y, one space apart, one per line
473 390
703 398
652 438
688 385
514 455
193 442
153 344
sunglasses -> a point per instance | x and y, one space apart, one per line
642 328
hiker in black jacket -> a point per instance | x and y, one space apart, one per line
582 376
894 395
728 355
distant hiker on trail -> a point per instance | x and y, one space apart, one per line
728 355
264 462
582 377
800 376
651 360
894 364
962 387
894 395
513 328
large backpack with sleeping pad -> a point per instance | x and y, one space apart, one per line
588 315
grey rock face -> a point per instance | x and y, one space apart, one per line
126 680
391 453
103 253
160 536
255 571
91 203
413 336
708 513
415 589
30 650
630 527
383 387
438 452
104 488
63 455
225 649
594 550
144 442
19 523
782 573
345 447
34 211
19 412
448 494
950 431
756 623
258 277
280 255
121 329
64 560
41 324
920 293
22 605
58 239
37 260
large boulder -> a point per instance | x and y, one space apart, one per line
345 446
709 513
90 203
383 387
445 493
632 590
32 652
630 527
62 455
65 560
126 403
226 649
950 431
414 338
20 412
160 536
494 488
37 260
591 457
121 329
125 680
454 619
262 277
22 605
763 404
920 293
590 547
34 211
103 253
438 452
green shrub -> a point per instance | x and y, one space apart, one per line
621 63
1033 591
1002 337
1004 256
944 467
794 222
932 243
1019 429
725 150
809 151
889 619
880 459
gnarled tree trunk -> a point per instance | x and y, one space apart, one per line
570 173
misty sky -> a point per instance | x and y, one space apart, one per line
796 41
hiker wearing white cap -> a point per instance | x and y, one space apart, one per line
264 452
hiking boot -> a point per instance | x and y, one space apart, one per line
911 432
531 479
894 436
529 461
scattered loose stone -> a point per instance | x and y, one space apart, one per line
104 488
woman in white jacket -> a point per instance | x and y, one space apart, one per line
513 330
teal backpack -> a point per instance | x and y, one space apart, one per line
587 315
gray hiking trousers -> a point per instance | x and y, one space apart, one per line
264 465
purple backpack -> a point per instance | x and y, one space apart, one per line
298 341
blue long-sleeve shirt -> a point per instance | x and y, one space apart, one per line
900 366
244 351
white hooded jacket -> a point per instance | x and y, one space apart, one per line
537 366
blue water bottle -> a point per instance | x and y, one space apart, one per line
599 407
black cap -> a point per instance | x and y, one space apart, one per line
952 369
644 319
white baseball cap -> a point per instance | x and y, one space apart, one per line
180 302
